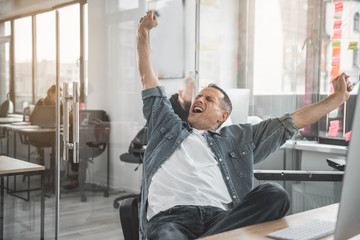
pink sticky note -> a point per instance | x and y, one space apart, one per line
333 128
338 0
335 61
347 136
337 34
337 24
339 7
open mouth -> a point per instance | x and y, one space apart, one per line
197 109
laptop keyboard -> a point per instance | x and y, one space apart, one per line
314 229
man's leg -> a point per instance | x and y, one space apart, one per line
179 222
264 203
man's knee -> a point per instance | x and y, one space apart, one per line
167 231
276 192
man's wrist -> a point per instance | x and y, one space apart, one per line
142 32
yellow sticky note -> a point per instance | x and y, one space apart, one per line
353 45
336 43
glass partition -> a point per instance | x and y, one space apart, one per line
23 63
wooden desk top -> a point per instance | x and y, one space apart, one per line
259 231
30 129
10 119
10 165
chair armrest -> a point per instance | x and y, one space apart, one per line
298 175
129 218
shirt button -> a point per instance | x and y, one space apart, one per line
220 160
227 178
211 143
234 196
243 153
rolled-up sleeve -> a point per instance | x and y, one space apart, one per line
270 134
157 108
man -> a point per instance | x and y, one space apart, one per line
198 181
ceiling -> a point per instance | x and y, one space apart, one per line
13 8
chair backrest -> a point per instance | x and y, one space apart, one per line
4 108
94 131
137 146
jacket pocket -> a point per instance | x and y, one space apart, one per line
242 151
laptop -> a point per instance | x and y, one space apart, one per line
348 219
44 116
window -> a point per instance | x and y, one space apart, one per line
4 60
23 62
69 43
45 53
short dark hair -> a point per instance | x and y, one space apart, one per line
226 102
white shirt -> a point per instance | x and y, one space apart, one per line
190 176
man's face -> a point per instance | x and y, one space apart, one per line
206 112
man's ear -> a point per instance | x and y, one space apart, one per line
180 92
224 116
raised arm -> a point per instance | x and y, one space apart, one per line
148 77
310 114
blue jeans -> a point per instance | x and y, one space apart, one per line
266 202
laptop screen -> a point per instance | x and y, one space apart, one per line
348 221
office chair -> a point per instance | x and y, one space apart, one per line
128 210
94 140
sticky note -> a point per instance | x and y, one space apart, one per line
337 34
333 128
335 61
335 71
336 51
334 113
347 136
338 15
353 45
336 43
337 24
339 7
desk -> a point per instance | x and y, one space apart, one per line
26 130
259 231
11 166
4 120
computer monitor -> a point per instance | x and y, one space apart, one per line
240 100
348 220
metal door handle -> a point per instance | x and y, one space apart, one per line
74 98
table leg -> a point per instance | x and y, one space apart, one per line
42 222
2 209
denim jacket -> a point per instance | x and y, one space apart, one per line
236 147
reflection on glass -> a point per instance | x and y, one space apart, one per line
23 63
69 43
121 5
45 53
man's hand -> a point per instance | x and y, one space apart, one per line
310 114
342 86
147 22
